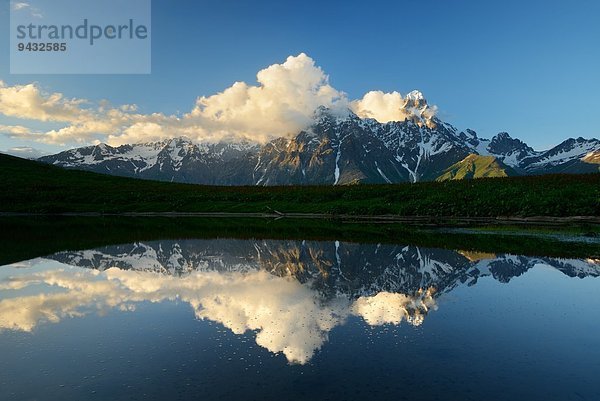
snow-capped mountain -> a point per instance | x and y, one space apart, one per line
332 268
177 159
571 156
336 150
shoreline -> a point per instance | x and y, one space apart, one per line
378 219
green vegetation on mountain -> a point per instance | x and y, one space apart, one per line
32 187
476 166
593 158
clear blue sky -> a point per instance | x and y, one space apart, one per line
527 67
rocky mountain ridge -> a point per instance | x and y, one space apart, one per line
336 150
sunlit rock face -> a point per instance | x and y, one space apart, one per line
290 294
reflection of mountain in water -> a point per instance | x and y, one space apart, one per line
332 268
290 294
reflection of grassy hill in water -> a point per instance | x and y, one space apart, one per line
476 166
477 256
32 187
23 238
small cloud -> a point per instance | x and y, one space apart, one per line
129 107
22 6
25 152
385 107
16 130
19 6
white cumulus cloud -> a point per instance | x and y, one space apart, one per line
281 103
30 102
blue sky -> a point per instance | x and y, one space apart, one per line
526 67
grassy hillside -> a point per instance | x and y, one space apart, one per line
476 166
593 158
33 187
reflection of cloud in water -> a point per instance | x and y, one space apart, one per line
386 307
287 316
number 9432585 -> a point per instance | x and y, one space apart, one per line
42 47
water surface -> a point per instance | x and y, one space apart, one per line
219 318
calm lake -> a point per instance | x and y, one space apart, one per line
126 311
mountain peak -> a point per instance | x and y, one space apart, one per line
504 144
501 136
418 110
415 103
416 96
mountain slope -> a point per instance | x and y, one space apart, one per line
332 151
592 157
176 159
476 166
